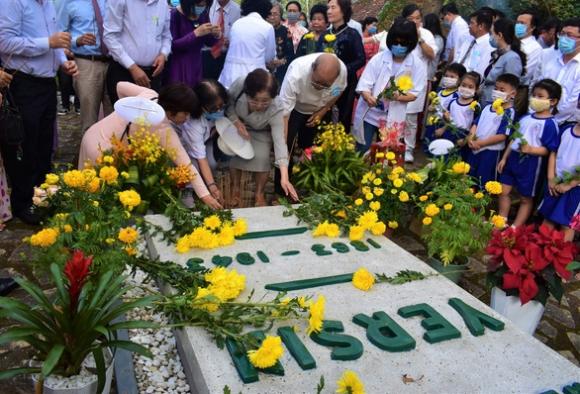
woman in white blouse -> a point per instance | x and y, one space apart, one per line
252 42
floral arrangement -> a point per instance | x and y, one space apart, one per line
453 211
400 85
329 42
332 164
531 262
309 42
78 322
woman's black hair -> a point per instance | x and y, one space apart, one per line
449 8
179 97
432 23
473 76
456 68
258 81
304 15
403 32
208 92
262 7
346 8
409 9
188 6
295 3
553 88
507 29
319 9
369 20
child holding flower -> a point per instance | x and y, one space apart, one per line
489 132
537 137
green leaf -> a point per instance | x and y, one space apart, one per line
58 280
132 347
101 369
18 333
573 266
52 359
10 373
132 325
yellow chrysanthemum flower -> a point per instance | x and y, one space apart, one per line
128 235
413 176
74 179
329 37
212 222
378 228
461 167
131 251
404 83
380 155
44 238
67 228
316 312
390 156
320 230
493 187
497 106
332 230
398 182
130 199
448 207
375 205
350 383
51 179
432 210
498 221
210 302
423 198
403 196
367 219
377 181
240 227
109 174
378 191
358 201
363 279
427 220
183 244
473 105
393 224
308 36
94 185
369 196
356 233
478 195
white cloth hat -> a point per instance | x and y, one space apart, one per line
232 141
135 109
440 147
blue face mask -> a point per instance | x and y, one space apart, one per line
372 30
199 10
335 91
492 41
174 3
521 30
399 50
566 45
292 17
213 116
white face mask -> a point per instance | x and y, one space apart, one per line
496 94
466 92
448 82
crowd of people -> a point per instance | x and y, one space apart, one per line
276 73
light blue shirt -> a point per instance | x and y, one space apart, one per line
78 17
137 31
25 28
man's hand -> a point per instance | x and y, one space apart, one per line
203 30
5 79
139 76
59 40
316 117
216 31
158 65
70 68
87 39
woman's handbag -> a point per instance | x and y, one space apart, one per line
11 125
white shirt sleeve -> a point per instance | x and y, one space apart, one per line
166 35
113 27
288 89
270 44
370 74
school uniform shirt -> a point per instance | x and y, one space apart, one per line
568 156
445 98
297 92
375 78
489 123
533 51
476 59
418 104
461 114
252 45
137 31
537 132
568 76
458 34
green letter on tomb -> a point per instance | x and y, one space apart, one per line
344 346
474 319
296 348
437 327
384 332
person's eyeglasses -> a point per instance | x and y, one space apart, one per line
319 86
569 35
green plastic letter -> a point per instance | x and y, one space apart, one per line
344 346
475 320
384 332
437 327
296 348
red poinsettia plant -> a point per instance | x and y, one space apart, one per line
530 262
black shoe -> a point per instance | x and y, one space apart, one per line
29 216
7 285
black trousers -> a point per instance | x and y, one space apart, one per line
299 135
345 105
28 165
212 67
65 85
117 73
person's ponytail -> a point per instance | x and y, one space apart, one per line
507 29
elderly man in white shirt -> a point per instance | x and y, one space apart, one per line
475 54
458 31
222 13
312 85
565 69
526 23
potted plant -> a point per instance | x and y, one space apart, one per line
79 322
527 265
453 214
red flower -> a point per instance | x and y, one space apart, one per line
575 223
555 249
525 282
76 271
308 153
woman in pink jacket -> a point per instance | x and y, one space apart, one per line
97 138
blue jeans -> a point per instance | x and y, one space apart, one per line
370 131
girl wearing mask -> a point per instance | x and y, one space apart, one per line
397 60
296 29
521 163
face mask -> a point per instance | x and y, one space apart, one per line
293 17
174 3
214 115
566 45
335 91
372 30
539 105
492 41
466 92
199 10
303 24
521 30
399 50
496 94
446 23
448 82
